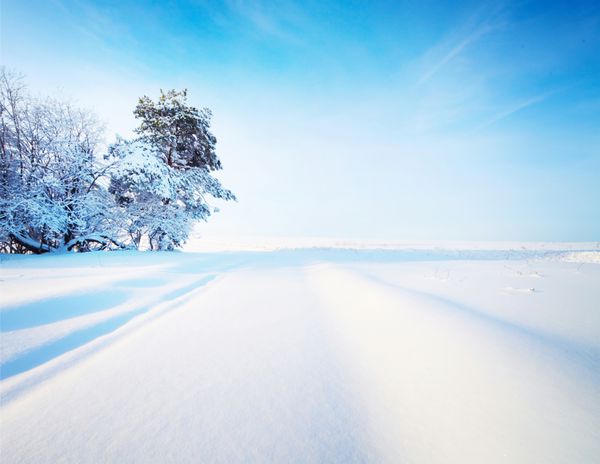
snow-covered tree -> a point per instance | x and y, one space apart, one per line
180 131
56 193
50 192
163 178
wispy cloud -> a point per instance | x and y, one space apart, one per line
448 57
515 108
279 22
482 22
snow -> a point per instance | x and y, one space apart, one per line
395 353
581 257
201 242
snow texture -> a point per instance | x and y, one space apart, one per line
316 355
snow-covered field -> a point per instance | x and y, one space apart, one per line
422 355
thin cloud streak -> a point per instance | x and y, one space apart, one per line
481 23
446 59
515 108
278 23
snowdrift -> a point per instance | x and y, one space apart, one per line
315 355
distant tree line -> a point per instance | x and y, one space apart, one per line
60 189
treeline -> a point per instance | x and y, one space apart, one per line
61 190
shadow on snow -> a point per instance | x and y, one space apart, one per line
47 352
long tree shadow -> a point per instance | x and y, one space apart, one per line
58 309
50 351
188 288
45 353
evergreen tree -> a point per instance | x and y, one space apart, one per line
164 176
181 132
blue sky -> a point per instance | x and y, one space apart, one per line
386 120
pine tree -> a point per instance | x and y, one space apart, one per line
180 131
164 176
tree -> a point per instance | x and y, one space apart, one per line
57 193
50 192
180 132
163 177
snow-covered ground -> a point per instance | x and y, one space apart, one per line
411 353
